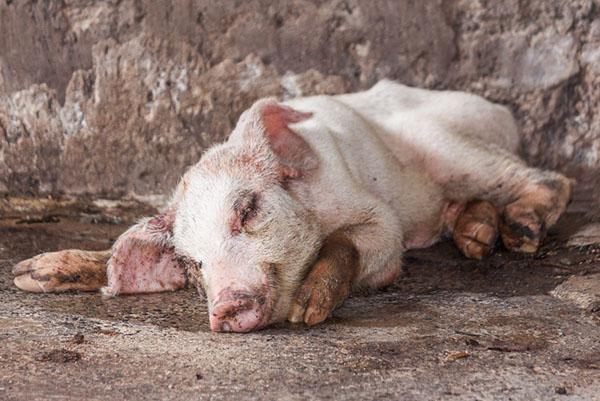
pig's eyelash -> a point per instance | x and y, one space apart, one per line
245 209
249 210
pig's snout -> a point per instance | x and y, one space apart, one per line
237 311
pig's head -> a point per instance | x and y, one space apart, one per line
238 218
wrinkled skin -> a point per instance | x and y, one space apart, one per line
313 198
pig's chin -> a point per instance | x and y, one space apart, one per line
278 312
277 303
275 309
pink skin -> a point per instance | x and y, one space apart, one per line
156 271
238 305
239 311
143 260
430 234
250 223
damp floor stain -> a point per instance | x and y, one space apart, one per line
514 339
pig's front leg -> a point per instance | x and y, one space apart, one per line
328 283
365 254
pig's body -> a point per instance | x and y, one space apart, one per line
387 154
341 183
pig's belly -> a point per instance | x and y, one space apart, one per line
423 210
423 234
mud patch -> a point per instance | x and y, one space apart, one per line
388 313
58 356
78 339
385 355
35 220
517 344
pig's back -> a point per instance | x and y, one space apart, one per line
413 113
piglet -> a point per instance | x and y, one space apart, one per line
316 197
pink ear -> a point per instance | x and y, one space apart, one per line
294 153
144 260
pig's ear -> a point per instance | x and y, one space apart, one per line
143 259
295 156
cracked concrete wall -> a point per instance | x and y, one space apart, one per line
116 98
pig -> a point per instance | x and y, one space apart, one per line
314 198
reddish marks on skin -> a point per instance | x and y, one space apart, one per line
240 310
162 222
250 162
235 225
142 260
235 306
146 268
289 172
276 117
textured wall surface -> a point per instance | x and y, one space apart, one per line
116 98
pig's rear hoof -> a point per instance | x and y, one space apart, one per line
521 229
476 230
526 220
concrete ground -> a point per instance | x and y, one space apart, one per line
450 329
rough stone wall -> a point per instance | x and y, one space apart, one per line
115 98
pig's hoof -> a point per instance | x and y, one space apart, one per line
522 230
62 271
323 290
526 220
476 229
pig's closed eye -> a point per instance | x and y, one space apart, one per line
249 211
245 210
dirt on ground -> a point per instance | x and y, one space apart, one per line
449 329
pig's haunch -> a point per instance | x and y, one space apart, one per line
341 184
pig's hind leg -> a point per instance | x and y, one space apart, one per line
470 167
530 200
141 261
